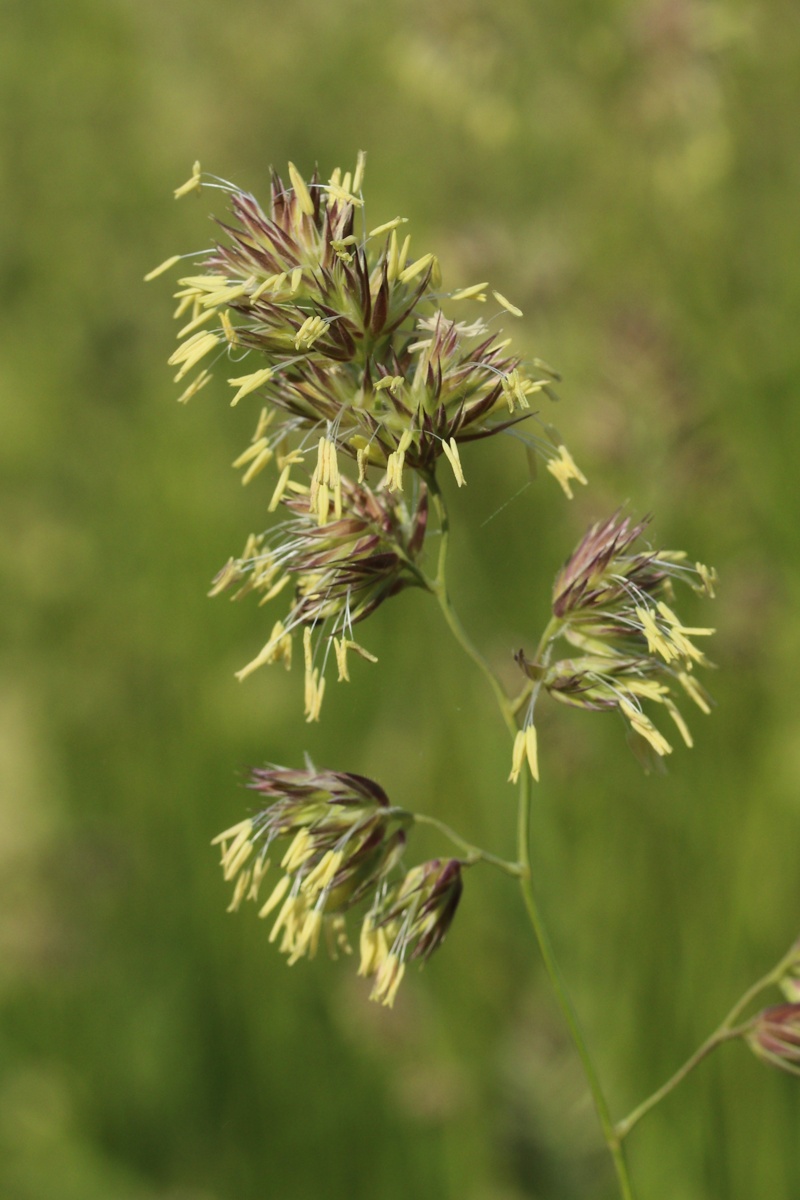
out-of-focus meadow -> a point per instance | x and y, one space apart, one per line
628 173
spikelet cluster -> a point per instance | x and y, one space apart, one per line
612 604
337 565
341 843
345 334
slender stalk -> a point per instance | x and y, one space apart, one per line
726 1031
719 1036
438 587
772 977
474 853
612 1138
508 709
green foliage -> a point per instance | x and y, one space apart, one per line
628 175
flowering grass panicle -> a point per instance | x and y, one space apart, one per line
610 604
368 382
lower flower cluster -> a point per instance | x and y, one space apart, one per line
345 846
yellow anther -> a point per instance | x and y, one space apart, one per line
322 875
370 945
390 974
532 751
314 691
228 329
276 590
358 174
416 268
239 832
278 646
305 203
198 319
286 463
246 384
300 849
339 246
392 382
194 387
260 869
564 469
236 857
392 258
252 451
475 292
388 227
361 652
708 577
402 257
514 389
288 917
340 646
192 184
262 459
312 328
395 461
507 305
277 894
452 455
242 884
677 717
657 643
192 351
307 938
644 726
694 690
517 756
162 267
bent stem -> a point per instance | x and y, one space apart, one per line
610 1134
473 854
727 1031
508 710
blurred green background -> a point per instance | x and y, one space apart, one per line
628 173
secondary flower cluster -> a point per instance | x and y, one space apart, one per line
345 844
341 565
610 603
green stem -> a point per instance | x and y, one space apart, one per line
508 709
474 853
726 1031
438 587
610 1134
717 1038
